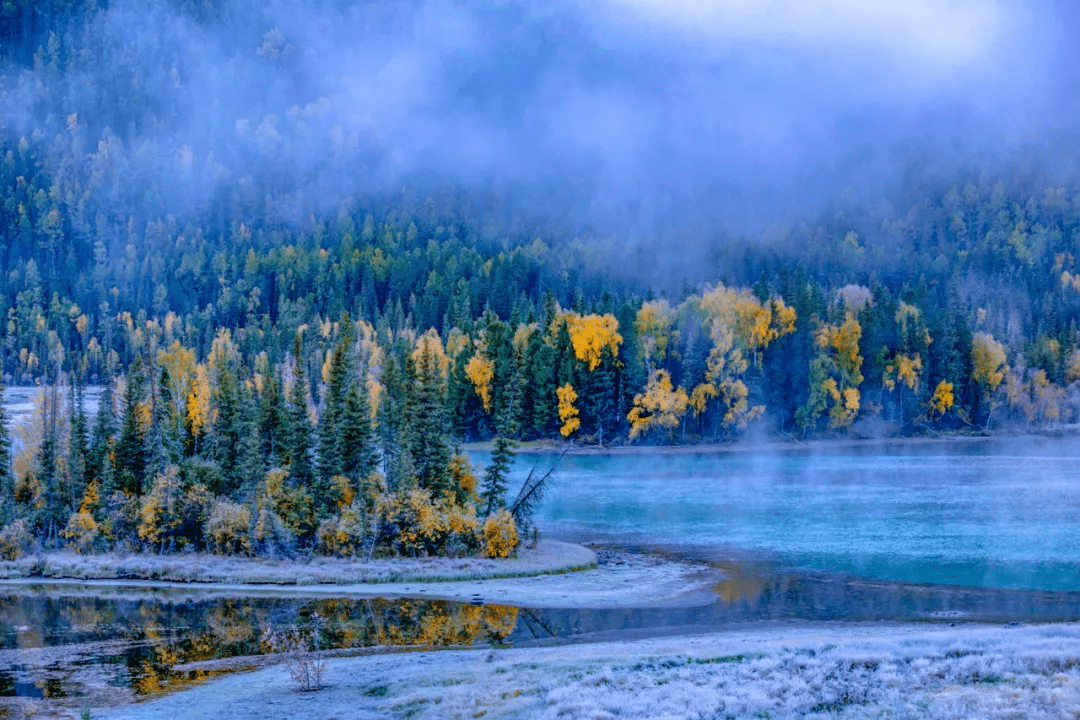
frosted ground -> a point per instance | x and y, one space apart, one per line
856 671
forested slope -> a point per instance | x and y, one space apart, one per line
296 326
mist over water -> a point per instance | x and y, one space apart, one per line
974 514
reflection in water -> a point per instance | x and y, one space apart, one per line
58 645
68 647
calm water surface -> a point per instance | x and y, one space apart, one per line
995 514
967 531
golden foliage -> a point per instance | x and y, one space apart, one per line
653 326
699 398
568 414
462 475
751 324
199 401
903 369
343 534
481 371
591 334
942 399
835 374
988 361
81 530
342 490
294 506
500 535
659 406
426 525
159 514
179 362
15 539
429 345
228 528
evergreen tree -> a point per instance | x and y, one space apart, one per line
98 462
299 435
7 472
273 422
130 453
359 457
342 371
430 446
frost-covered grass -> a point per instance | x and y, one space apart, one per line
848 671
547 557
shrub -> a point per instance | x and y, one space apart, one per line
15 539
272 537
500 535
82 531
229 528
343 534
428 526
303 665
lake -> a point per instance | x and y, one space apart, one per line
969 530
972 513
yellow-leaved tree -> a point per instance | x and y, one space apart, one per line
660 406
568 414
653 327
988 367
481 371
590 335
740 326
835 375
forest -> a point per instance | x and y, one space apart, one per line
288 369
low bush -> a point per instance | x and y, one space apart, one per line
500 535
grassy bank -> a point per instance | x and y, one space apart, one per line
548 557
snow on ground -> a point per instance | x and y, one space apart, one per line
842 670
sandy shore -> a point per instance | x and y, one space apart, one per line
849 670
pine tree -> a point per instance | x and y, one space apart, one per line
299 435
359 457
78 442
7 472
130 453
429 445
98 462
493 489
331 450
273 422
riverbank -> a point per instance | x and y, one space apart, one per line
554 574
819 670
771 444
548 556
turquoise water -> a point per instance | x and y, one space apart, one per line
994 514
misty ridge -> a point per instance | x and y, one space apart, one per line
670 129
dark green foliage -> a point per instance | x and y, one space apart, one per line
494 485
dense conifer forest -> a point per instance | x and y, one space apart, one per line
289 368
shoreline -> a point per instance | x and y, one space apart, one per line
556 575
776 444
796 670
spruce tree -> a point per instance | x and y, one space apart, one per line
299 436
7 472
337 387
273 422
78 442
98 462
429 444
131 460
359 457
